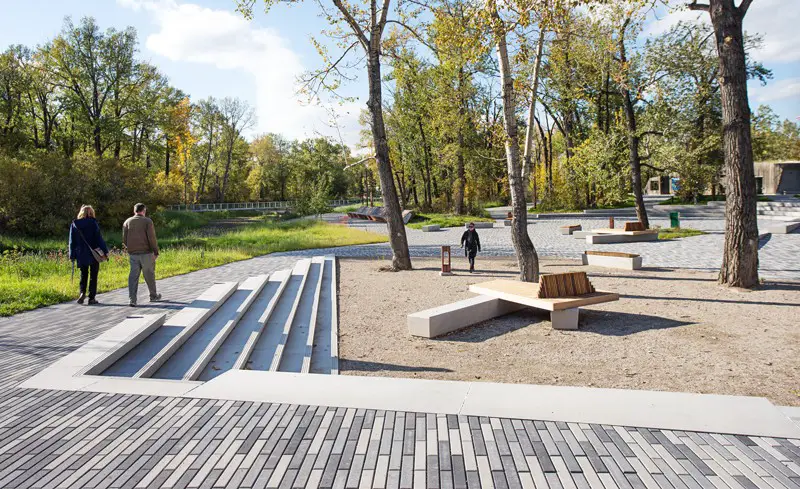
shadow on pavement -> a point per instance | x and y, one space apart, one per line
361 366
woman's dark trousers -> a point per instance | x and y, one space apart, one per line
90 272
471 255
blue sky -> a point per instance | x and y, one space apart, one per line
208 49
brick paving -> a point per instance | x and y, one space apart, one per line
65 439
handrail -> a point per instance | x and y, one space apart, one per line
241 206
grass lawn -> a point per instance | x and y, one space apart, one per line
35 279
443 220
674 233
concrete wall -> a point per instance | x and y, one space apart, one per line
779 177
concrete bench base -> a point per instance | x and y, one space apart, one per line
784 227
430 227
480 225
623 262
582 234
506 222
441 320
566 230
620 238
565 319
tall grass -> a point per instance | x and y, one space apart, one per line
35 279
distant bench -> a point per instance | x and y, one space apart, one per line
612 259
500 297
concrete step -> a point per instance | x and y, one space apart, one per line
285 321
180 327
325 351
193 354
244 338
289 354
254 285
269 343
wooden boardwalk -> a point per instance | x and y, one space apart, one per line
64 439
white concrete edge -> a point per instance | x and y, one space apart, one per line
649 409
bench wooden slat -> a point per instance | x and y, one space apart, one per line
526 293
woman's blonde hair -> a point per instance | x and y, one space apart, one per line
86 211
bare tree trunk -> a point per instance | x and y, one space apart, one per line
527 259
527 168
634 158
740 252
401 260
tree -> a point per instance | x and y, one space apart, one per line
236 116
740 252
527 259
365 26
90 66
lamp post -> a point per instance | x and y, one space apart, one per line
446 270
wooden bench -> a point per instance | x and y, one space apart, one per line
500 297
570 228
612 259
563 310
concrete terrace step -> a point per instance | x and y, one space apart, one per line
244 338
288 341
325 351
254 285
180 327
283 322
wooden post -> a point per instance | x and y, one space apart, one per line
446 270
611 222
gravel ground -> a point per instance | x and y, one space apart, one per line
672 330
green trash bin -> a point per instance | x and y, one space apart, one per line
674 220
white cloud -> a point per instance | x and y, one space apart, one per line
780 90
775 20
225 40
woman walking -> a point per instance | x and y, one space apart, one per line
88 249
472 241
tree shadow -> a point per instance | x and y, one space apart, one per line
478 272
771 285
720 301
362 366
645 277
764 240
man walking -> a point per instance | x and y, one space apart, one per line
473 245
139 238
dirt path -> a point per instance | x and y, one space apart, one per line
672 330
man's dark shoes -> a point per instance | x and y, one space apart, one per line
93 301
132 304
81 298
155 298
